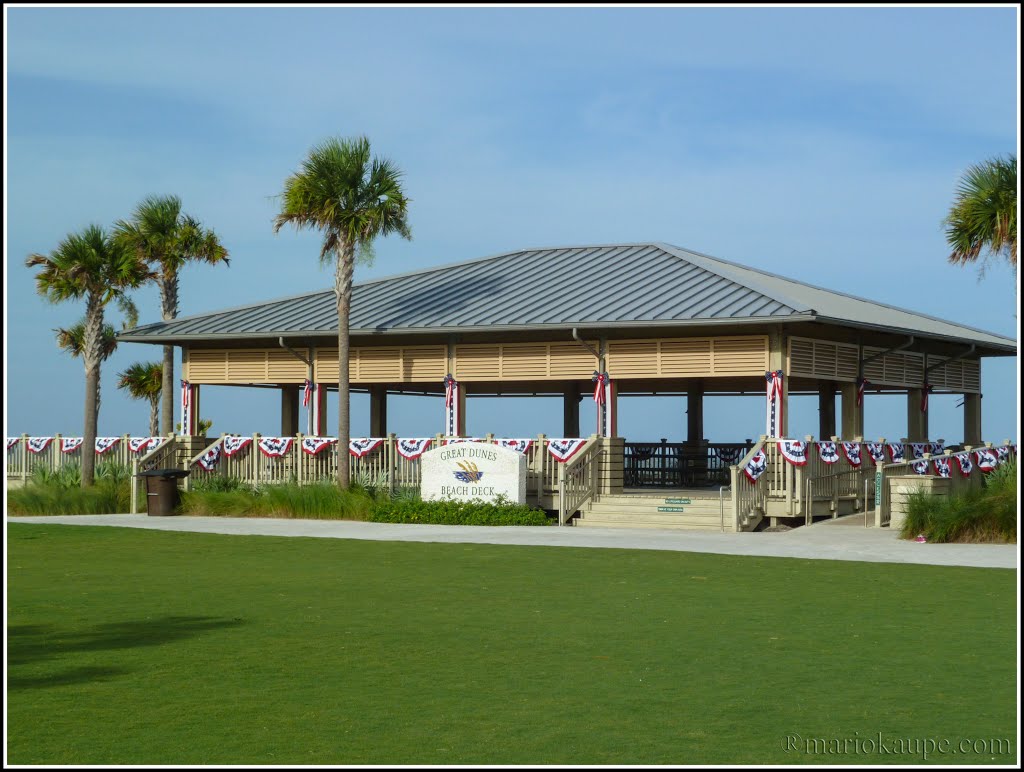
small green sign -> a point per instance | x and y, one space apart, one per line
670 509
677 501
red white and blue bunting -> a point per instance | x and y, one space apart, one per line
876 450
852 452
728 456
70 444
453 440
565 448
39 444
794 451
928 388
138 444
156 442
774 402
920 467
896 452
210 458
319 410
11 442
103 444
364 445
233 445
186 408
603 401
755 467
862 383
965 463
942 466
275 447
311 446
1003 453
988 459
938 447
918 449
413 448
452 426
829 452
520 446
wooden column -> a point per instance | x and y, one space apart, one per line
320 414
826 409
613 407
695 414
195 415
853 416
972 419
290 410
917 421
462 410
778 360
571 410
378 411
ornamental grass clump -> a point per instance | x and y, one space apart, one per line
476 512
223 497
979 515
59 492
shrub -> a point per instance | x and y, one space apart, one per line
322 501
60 493
988 514
474 512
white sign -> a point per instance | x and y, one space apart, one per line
473 470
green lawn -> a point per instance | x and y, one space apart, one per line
147 647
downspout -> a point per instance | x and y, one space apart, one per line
309 375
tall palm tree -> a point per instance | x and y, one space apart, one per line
166 238
144 380
72 340
352 199
93 266
984 215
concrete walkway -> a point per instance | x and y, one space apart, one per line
822 541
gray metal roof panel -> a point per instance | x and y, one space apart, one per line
615 284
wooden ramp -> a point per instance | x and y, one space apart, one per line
691 510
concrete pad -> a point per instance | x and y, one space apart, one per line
873 545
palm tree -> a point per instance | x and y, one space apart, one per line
984 214
72 340
93 266
145 380
352 199
167 239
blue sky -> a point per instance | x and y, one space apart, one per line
823 144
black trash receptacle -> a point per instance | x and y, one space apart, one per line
162 490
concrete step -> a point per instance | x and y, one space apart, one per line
656 508
653 517
584 523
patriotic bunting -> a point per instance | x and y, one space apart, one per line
453 440
363 446
155 442
314 445
233 445
564 449
275 447
963 460
12 441
862 383
938 447
920 467
307 392
942 466
828 452
852 452
755 466
451 406
520 446
918 449
103 444
928 388
39 444
210 458
602 399
987 459
413 448
774 402
794 451
896 452
70 444
876 450
186 408
138 444
319 409
1003 453
728 456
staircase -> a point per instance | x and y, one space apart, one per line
689 510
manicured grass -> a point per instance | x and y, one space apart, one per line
147 647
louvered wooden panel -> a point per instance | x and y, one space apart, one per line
824 359
377 364
206 367
283 367
972 375
913 367
571 360
899 368
632 358
326 365
874 370
424 363
847 361
247 366
524 361
747 355
477 362
686 357
801 357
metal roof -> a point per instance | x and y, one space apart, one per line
616 285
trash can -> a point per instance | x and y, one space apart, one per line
162 490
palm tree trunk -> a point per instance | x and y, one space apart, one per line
169 307
154 417
343 294
91 354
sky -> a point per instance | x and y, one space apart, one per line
823 144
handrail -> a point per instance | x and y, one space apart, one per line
746 498
578 479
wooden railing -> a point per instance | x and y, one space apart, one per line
749 498
579 479
679 465
21 462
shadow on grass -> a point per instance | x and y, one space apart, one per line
28 644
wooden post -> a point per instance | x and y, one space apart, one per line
827 408
378 411
462 410
853 416
613 410
917 420
778 359
972 419
695 414
289 410
320 413
571 410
